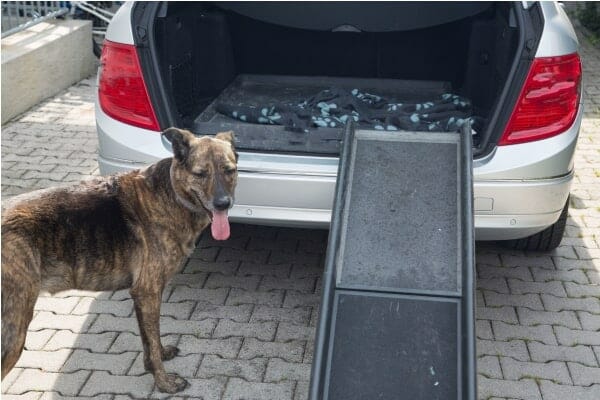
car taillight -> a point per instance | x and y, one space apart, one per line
548 102
121 90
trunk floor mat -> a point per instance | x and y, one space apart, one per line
256 90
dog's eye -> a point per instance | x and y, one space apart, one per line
201 174
230 171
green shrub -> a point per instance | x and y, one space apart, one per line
589 16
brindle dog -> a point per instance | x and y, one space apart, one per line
130 230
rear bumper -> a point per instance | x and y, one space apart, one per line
510 200
503 209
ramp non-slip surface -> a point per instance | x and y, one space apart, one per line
400 221
397 314
376 351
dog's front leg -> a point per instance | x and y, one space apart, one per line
147 310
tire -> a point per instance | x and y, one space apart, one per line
546 240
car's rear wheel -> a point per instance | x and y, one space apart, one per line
548 239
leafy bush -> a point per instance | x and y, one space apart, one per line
589 15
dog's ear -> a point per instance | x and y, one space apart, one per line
230 138
180 141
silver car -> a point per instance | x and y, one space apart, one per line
515 63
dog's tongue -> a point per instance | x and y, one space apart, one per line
220 225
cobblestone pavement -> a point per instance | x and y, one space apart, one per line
243 313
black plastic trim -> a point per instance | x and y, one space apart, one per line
143 15
529 38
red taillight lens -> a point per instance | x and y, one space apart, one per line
548 102
121 90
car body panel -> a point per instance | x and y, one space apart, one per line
519 189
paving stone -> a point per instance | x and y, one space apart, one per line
576 290
96 342
531 301
56 305
10 378
302 389
525 389
567 264
553 391
106 322
279 370
48 320
593 277
195 265
185 366
259 330
297 299
180 310
504 313
202 389
569 337
237 313
216 280
498 285
255 256
58 396
102 382
50 361
309 351
214 296
583 375
299 284
239 389
249 370
489 366
194 280
40 381
227 348
290 351
555 371
530 260
38 339
239 296
544 353
207 254
129 342
88 305
116 364
25 396
542 333
483 330
286 245
306 271
547 275
516 349
590 322
522 287
553 303
280 257
279 270
532 318
297 316
287 332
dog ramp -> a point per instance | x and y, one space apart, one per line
397 314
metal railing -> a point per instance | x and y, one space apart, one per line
20 15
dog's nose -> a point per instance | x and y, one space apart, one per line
222 203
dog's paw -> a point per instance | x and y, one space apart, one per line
169 352
171 383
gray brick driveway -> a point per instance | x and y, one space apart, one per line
243 313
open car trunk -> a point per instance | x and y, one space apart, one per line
285 77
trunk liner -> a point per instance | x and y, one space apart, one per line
259 90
